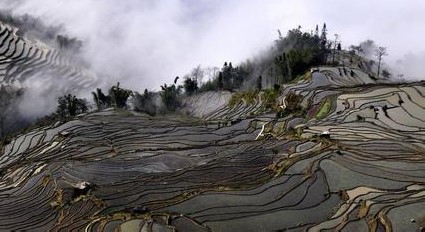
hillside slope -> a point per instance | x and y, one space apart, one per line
23 59
32 76
351 159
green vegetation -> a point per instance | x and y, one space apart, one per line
170 96
292 102
247 97
102 101
210 85
228 78
324 109
306 77
190 86
270 96
233 77
292 55
117 97
69 106
145 102
298 51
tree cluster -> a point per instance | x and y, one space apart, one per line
190 86
68 44
116 98
293 54
119 96
69 106
298 51
231 78
170 96
145 102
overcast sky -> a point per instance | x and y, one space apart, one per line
149 42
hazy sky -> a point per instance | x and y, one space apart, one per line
149 42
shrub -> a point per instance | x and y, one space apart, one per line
102 101
69 105
145 102
119 96
170 96
292 102
249 97
190 86
210 85
270 96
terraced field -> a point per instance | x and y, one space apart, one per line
24 61
354 161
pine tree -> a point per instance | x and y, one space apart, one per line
323 38
324 32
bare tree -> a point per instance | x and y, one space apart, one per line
197 74
212 72
379 53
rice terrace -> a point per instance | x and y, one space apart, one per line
311 134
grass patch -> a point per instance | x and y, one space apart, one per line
324 109
239 97
307 76
270 96
293 106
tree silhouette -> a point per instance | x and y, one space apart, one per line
220 80
379 53
170 96
119 96
145 102
323 35
69 106
102 101
190 86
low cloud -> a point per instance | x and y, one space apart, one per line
41 98
411 66
145 43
